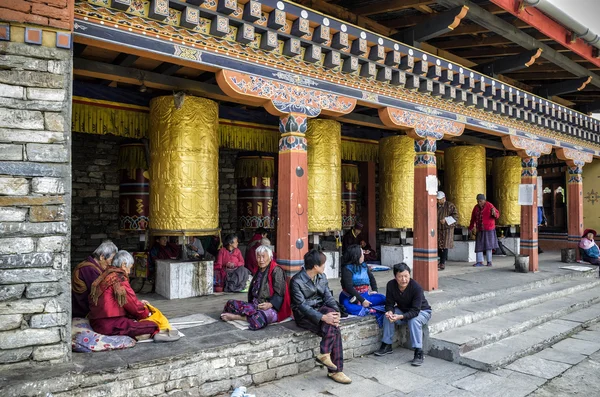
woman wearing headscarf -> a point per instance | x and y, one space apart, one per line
589 249
268 297
483 222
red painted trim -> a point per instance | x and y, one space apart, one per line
549 27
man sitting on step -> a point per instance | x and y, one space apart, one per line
405 303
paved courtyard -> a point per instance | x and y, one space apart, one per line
568 368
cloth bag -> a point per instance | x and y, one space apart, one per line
158 318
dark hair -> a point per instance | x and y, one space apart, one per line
261 230
401 267
313 258
352 255
229 239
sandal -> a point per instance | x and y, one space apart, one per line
478 264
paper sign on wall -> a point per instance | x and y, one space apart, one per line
526 193
431 184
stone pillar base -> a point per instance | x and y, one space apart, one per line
512 243
332 264
463 251
392 254
177 280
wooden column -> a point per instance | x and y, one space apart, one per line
425 253
292 217
368 212
575 204
529 214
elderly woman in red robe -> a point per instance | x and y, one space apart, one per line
86 273
228 259
114 307
483 222
255 242
268 297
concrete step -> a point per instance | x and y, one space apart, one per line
558 278
472 312
505 351
451 344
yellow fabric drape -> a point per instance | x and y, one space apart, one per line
360 149
350 173
254 166
94 116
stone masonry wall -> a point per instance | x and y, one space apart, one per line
95 215
35 186
202 373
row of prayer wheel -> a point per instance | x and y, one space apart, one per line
178 192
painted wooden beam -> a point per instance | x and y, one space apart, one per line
415 20
510 63
501 27
125 60
563 87
435 26
167 68
589 107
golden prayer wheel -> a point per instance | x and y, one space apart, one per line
134 187
255 191
349 196
184 167
464 178
324 139
506 174
396 182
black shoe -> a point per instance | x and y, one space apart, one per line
418 360
384 349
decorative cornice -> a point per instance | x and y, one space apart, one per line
420 125
574 156
526 147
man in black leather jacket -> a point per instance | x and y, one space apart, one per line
315 309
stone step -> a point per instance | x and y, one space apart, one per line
468 313
450 344
505 351
568 275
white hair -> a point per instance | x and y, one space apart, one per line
106 249
122 258
262 249
265 241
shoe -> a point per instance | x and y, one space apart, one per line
489 264
384 349
478 264
340 377
418 359
441 267
325 359
170 335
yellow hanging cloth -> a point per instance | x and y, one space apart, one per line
158 318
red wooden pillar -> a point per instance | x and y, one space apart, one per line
292 218
368 212
425 254
529 214
575 204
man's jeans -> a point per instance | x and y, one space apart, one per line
415 325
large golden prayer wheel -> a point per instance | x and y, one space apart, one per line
184 174
349 195
134 188
324 139
506 174
255 191
464 178
396 182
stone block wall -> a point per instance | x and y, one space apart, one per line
202 373
95 215
35 186
52 13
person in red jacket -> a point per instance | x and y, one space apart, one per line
483 222
228 259
114 307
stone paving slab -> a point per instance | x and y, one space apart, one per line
592 336
560 356
490 385
577 346
519 376
584 315
539 367
581 380
361 387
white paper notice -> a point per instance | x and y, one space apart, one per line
450 220
526 194
431 184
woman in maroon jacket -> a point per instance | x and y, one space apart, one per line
114 308
483 221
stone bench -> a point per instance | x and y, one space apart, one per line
176 279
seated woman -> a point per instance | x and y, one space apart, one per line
358 284
370 254
114 308
590 252
253 244
268 297
229 258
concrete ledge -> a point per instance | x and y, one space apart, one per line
463 251
392 254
